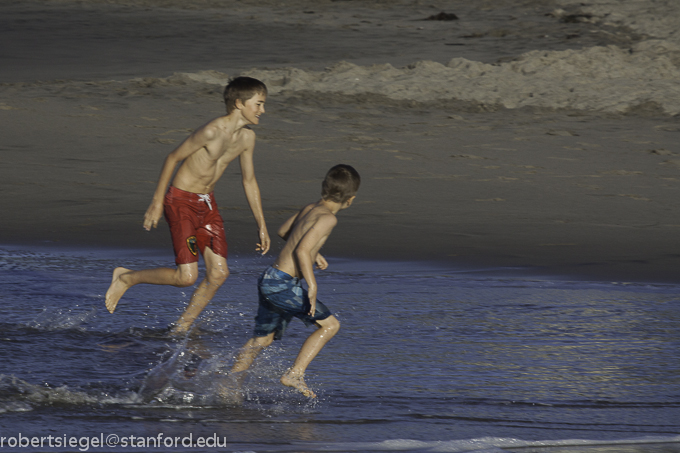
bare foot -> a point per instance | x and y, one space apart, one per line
297 381
229 389
117 289
178 330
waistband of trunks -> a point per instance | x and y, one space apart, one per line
191 196
272 272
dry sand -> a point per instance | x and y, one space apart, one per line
525 133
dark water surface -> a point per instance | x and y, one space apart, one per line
428 359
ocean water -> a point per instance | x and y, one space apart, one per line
429 358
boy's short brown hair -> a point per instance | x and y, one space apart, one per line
340 184
242 88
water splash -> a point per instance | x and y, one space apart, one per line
52 319
19 395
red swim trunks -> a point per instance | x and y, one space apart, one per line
195 223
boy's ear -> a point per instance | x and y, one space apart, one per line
238 104
349 202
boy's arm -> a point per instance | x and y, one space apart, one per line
287 227
307 251
193 143
252 191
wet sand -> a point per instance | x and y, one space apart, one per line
95 94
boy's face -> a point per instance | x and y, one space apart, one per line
253 108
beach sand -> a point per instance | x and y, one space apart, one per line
524 134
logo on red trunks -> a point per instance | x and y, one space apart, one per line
192 243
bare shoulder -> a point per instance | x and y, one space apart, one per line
210 130
248 135
314 217
324 219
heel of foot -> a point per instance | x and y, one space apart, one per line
298 383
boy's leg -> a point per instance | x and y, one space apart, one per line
294 377
182 276
250 351
216 272
229 387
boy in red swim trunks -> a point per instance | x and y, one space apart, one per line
189 204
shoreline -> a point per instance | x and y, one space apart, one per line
577 263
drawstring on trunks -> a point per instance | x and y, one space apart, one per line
205 198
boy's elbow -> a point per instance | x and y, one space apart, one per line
171 159
301 254
248 179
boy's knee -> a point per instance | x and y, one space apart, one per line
216 269
186 275
217 276
331 325
183 280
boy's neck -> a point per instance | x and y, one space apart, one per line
235 119
332 206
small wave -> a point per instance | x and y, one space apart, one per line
657 19
500 445
602 79
639 79
14 406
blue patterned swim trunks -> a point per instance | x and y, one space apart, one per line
283 298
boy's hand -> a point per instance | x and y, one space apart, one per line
152 216
265 242
321 262
311 293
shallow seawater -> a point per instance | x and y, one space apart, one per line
428 358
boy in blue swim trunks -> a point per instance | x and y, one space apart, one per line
281 295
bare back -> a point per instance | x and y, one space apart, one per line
309 229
